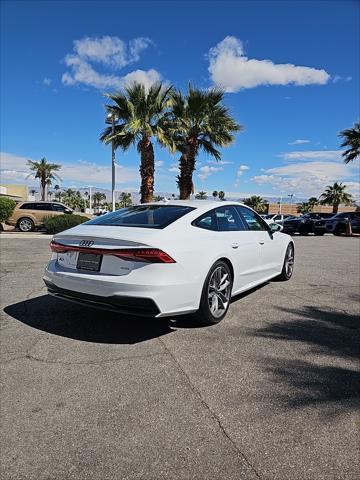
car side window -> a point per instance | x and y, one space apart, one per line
27 206
57 208
228 220
252 219
207 221
43 206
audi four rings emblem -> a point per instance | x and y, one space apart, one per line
86 243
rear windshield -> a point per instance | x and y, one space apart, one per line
147 216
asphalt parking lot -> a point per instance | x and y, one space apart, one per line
272 392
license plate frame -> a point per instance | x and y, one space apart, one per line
90 262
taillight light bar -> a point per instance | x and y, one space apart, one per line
151 255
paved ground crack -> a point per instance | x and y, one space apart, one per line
213 415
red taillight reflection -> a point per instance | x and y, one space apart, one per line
151 255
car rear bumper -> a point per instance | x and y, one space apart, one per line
128 305
138 293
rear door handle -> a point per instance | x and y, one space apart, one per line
261 243
235 245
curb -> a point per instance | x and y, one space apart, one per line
24 235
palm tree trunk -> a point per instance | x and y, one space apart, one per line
335 207
147 168
43 188
187 167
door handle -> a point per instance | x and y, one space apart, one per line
261 243
234 245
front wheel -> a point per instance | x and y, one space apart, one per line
216 295
289 262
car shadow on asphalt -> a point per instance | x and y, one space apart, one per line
326 375
78 322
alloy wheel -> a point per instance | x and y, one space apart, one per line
25 225
219 291
289 261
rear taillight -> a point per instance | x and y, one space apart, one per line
151 255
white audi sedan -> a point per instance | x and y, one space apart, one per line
168 258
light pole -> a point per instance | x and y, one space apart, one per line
110 119
291 197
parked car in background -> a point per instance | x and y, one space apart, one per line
29 215
304 224
337 223
166 259
276 218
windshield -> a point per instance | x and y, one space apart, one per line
144 216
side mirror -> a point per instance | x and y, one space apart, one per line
275 227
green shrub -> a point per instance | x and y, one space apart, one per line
6 208
63 222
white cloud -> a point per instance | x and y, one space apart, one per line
219 162
47 81
110 52
309 178
206 171
159 163
174 167
298 142
310 155
14 169
232 70
338 78
239 173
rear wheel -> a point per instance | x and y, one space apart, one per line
339 230
216 295
25 224
289 262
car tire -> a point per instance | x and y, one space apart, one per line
216 295
288 265
319 234
25 224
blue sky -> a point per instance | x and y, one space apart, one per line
290 70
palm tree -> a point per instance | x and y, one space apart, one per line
351 138
307 207
256 202
33 192
313 201
304 207
50 194
139 117
335 195
125 200
221 195
98 198
45 172
157 198
215 194
57 193
201 196
198 121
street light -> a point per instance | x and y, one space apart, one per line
110 119
291 197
